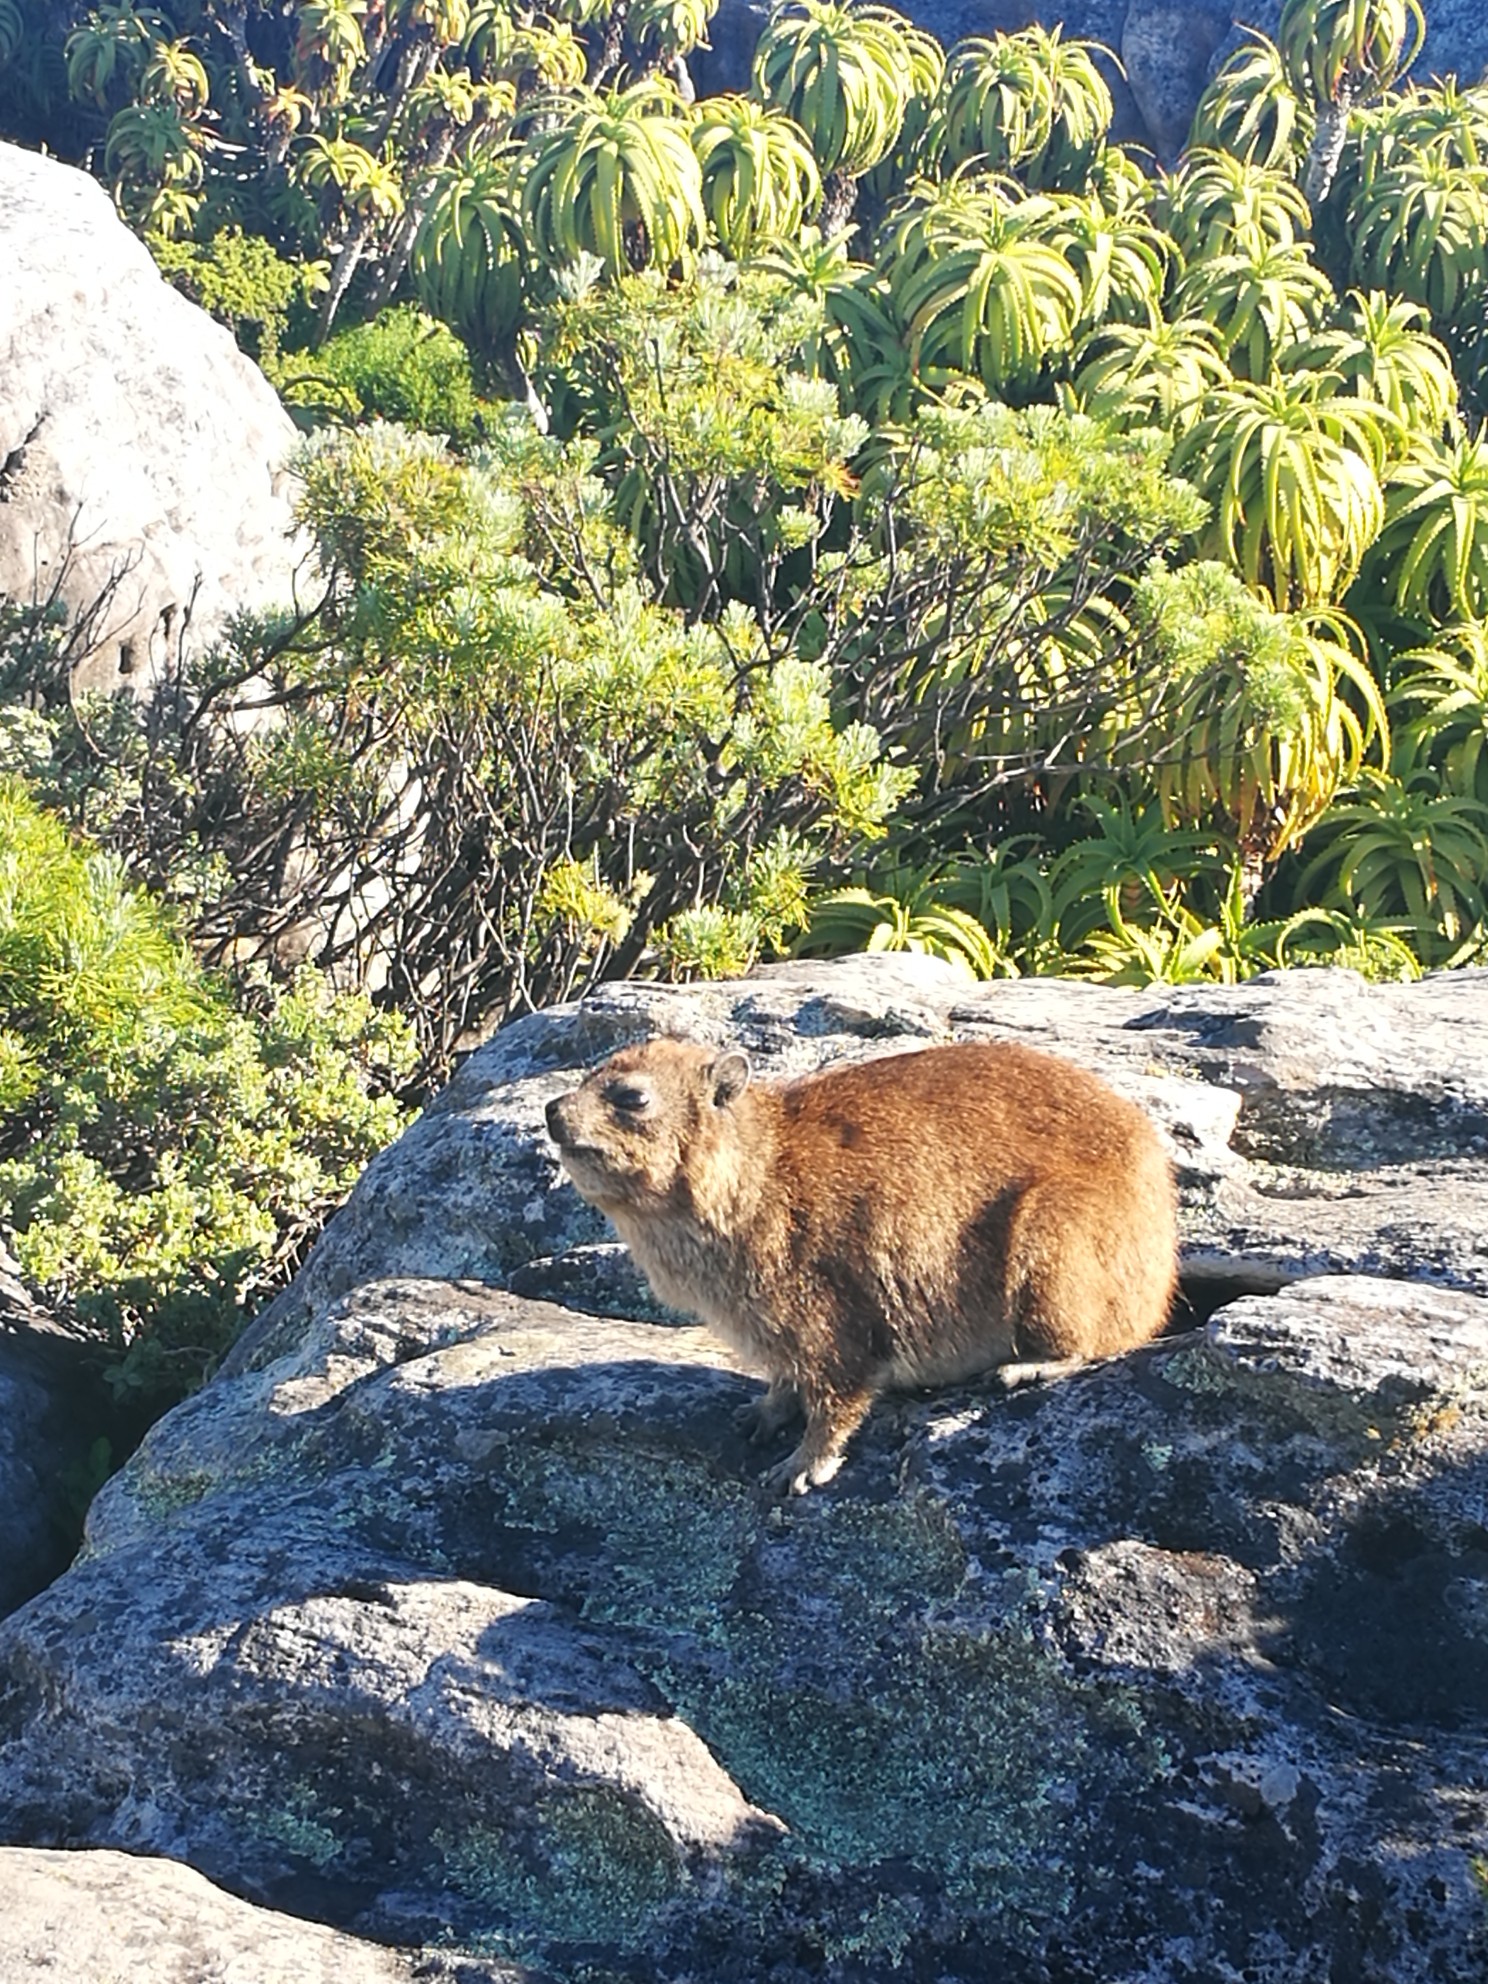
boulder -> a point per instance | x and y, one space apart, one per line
1320 1125
453 1614
52 1417
1167 50
142 456
1456 40
101 1917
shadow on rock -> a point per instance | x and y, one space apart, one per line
479 1630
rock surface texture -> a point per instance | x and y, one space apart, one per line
141 454
51 1412
114 1918
452 1612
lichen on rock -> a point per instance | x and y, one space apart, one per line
458 1618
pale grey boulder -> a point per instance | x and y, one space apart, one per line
459 1619
142 456
120 1918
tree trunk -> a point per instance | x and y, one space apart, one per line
839 197
526 392
613 45
1327 145
235 27
415 63
344 268
420 193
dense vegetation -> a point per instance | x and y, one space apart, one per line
872 510
165 1157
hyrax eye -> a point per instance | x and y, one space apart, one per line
627 1098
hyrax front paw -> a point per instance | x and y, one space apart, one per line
798 1473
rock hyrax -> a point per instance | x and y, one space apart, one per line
910 1220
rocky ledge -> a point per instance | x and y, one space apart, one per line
452 1613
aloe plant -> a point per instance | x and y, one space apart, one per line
1442 697
861 919
469 257
1340 54
1293 472
759 178
1433 548
1381 348
1251 110
1121 259
615 176
995 108
979 283
1267 716
1261 298
1214 204
1029 102
1407 849
844 72
1150 374
1419 229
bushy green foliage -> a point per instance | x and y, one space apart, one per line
722 461
1268 715
499 766
238 278
164 1157
1181 582
402 366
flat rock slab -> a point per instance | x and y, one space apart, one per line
469 1627
116 1918
456 1617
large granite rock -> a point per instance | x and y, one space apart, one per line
1320 1125
94 1918
52 1415
1168 50
142 476
456 1617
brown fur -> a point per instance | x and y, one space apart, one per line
912 1220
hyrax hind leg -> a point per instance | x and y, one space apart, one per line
1081 1283
763 1417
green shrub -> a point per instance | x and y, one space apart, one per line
164 1157
238 279
402 366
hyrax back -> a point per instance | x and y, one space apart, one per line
910 1220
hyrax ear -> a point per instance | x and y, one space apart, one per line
730 1075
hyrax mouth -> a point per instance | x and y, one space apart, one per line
558 1129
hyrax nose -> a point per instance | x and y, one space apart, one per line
555 1119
